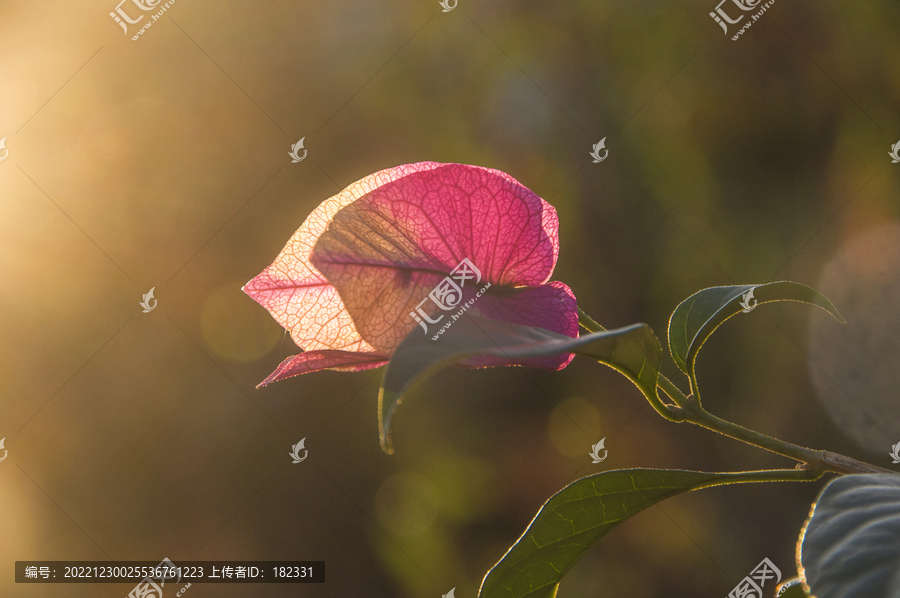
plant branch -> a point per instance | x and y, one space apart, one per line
688 409
822 460
672 413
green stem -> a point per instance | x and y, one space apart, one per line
674 393
822 460
589 322
686 408
671 412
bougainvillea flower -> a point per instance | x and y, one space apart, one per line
350 281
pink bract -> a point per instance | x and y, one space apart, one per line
347 280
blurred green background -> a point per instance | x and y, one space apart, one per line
163 163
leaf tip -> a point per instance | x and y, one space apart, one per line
248 289
386 445
384 424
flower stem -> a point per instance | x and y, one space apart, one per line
687 409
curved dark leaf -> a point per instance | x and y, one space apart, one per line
586 510
698 316
634 351
850 546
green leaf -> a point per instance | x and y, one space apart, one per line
792 588
586 510
850 546
633 351
698 316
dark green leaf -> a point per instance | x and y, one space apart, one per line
850 546
586 510
633 351
698 316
